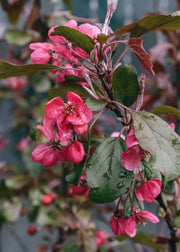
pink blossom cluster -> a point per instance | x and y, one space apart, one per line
63 121
122 226
61 52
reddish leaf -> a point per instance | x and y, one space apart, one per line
135 44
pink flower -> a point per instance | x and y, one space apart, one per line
3 143
16 82
131 158
149 190
100 237
23 143
88 29
122 226
49 154
138 218
42 52
71 115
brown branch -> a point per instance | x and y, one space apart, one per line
172 230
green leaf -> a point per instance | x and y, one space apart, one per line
68 4
158 138
155 22
9 70
177 221
74 78
77 38
147 240
74 175
106 176
71 247
12 209
65 87
125 85
150 23
166 110
17 181
95 105
18 37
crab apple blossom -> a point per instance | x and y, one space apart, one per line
42 52
48 154
131 158
71 115
15 83
149 190
88 29
122 226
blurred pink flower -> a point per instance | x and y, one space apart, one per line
3 143
100 237
16 82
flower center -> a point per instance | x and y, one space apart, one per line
69 109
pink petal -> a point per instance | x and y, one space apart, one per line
54 107
75 152
80 129
40 56
50 158
131 140
75 99
64 133
39 151
47 128
130 226
131 158
55 38
114 224
149 190
148 215
90 30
